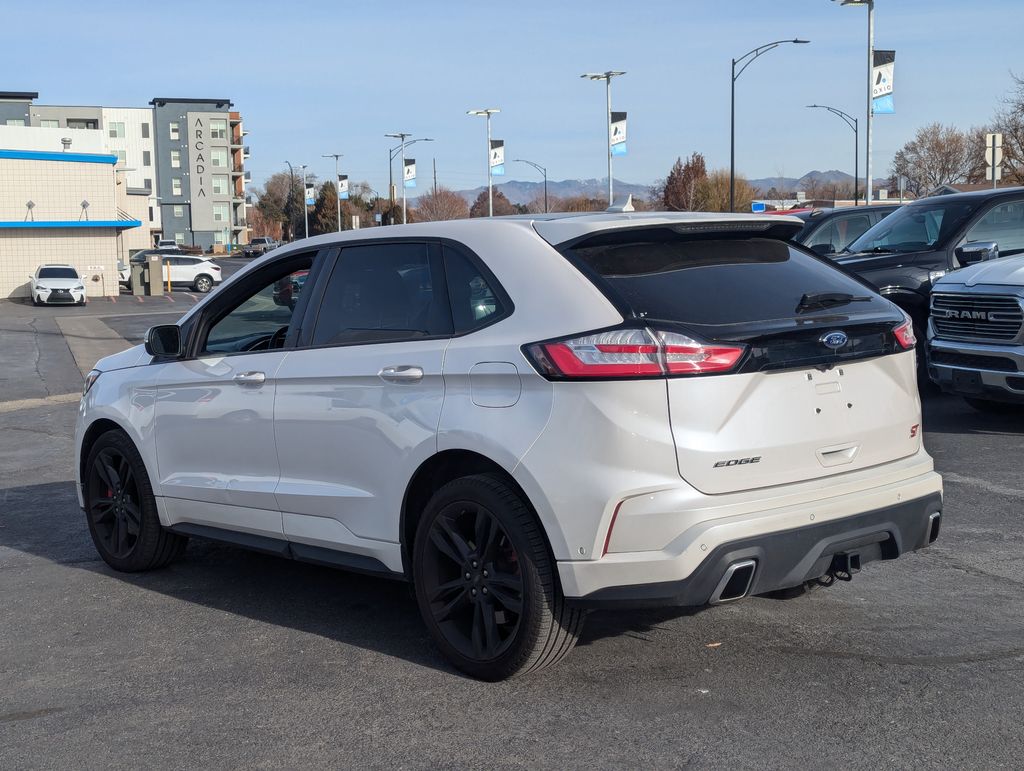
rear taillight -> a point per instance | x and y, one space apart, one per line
215 267
631 353
905 335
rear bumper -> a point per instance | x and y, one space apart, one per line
788 546
969 369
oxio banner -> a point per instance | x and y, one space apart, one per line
497 159
617 130
881 83
409 174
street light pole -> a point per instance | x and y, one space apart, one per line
868 182
607 78
337 184
746 60
305 207
850 121
543 171
401 136
490 188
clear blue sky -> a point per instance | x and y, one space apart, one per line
321 77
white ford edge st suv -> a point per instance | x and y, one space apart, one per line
526 418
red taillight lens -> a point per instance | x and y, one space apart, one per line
632 353
905 335
215 267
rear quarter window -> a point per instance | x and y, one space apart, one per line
661 275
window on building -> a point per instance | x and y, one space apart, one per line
150 213
176 186
179 211
179 238
147 160
145 131
49 123
221 212
175 159
116 130
147 183
83 123
219 157
15 121
220 184
122 156
220 237
175 131
218 129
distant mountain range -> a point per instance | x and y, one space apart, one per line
821 179
520 192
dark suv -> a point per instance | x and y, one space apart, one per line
922 241
828 231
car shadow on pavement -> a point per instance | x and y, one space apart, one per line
44 521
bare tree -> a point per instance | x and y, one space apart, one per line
713 192
1009 120
441 204
937 155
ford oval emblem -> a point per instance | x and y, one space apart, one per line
834 340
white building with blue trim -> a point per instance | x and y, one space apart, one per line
60 206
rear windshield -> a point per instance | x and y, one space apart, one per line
57 273
715 281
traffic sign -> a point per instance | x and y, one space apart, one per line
998 170
993 155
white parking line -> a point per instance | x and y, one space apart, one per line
31 404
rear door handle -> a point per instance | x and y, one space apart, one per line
250 378
401 374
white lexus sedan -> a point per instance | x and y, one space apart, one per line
525 418
57 284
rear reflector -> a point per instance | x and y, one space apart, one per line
631 353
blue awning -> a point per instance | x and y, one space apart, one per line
122 224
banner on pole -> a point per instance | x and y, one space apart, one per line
409 176
617 130
343 187
497 159
310 194
882 82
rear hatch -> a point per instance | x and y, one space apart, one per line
817 391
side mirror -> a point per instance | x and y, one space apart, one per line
822 249
164 341
978 251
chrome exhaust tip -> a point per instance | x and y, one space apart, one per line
735 582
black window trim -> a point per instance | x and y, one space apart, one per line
436 248
233 295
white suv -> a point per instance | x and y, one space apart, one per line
526 418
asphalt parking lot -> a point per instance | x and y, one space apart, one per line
235 659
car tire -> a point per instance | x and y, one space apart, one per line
509 616
994 408
119 500
203 284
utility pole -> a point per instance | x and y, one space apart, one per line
435 176
607 78
490 188
337 188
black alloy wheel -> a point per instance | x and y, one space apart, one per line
486 582
120 508
472 580
113 505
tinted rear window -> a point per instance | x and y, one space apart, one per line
57 273
714 281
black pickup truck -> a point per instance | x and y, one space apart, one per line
919 243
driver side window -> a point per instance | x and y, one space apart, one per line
260 322
1004 224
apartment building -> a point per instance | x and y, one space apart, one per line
184 156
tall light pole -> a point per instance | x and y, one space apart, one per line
868 182
337 188
401 136
745 60
607 78
850 121
543 171
487 113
